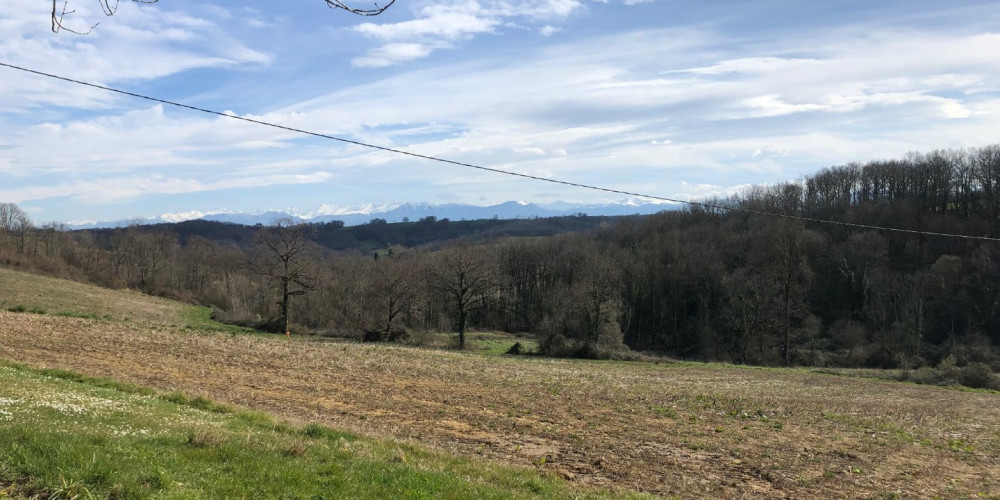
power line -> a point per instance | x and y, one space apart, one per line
495 170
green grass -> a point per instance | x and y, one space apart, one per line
67 435
25 309
487 343
200 318
496 344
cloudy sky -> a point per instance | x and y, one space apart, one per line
678 98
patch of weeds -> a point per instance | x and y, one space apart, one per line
72 314
534 486
664 411
84 379
888 495
896 432
960 445
295 450
202 438
254 418
156 481
69 490
24 309
196 402
695 446
319 431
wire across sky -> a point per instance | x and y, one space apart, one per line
705 205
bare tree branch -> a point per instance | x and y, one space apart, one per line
58 16
110 8
337 4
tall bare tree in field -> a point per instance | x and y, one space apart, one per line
466 276
282 258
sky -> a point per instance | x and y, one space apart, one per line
673 98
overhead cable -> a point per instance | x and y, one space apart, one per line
705 205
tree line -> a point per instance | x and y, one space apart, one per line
707 283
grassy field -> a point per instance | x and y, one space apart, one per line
69 436
690 430
24 292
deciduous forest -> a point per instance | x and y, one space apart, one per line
706 283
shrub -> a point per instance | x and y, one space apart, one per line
979 376
882 358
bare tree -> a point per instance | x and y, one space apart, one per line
15 222
283 260
392 288
110 7
154 252
466 276
751 296
9 213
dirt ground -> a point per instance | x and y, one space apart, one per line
707 431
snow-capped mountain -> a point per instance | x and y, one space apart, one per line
397 212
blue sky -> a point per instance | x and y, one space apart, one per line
680 99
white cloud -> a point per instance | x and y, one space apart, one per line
118 189
443 25
140 139
695 191
390 54
549 30
449 22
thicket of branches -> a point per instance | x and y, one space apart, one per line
704 284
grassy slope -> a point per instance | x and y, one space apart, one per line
74 436
20 291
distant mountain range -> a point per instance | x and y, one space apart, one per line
401 212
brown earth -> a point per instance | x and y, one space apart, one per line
709 431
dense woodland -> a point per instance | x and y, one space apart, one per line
707 283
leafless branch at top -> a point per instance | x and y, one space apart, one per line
110 7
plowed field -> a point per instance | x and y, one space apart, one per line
690 430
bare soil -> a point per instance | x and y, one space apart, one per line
706 431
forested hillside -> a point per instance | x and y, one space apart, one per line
708 283
377 234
